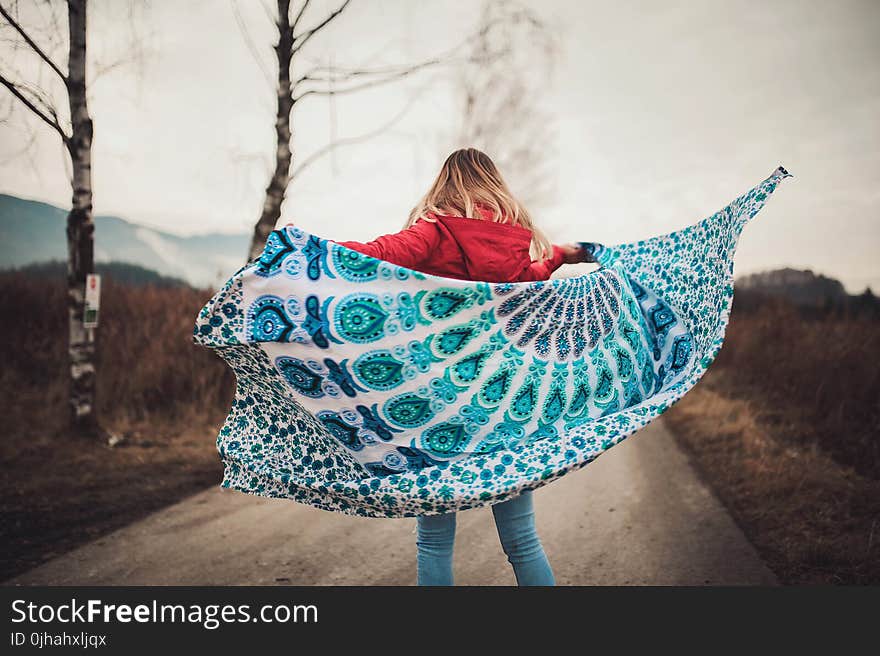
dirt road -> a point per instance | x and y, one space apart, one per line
637 515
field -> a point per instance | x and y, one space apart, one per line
163 394
785 427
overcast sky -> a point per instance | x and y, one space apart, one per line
662 112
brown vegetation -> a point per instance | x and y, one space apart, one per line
166 396
785 427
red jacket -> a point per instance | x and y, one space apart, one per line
463 248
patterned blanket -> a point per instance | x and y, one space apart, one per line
368 388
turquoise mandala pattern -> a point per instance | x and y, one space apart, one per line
367 388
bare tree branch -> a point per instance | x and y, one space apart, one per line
102 70
135 53
27 150
24 150
332 75
37 96
31 43
51 121
268 11
299 15
9 107
337 74
249 42
349 141
301 39
53 34
399 74
322 80
280 176
501 100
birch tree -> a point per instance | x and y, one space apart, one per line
500 96
315 81
38 98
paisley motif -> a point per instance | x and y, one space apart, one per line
555 402
360 318
452 340
469 368
271 260
379 370
443 303
444 440
267 320
408 410
496 387
354 266
305 380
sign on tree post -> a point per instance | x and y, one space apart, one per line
93 300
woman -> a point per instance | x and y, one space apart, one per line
469 226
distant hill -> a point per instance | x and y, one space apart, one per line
121 272
803 288
809 291
33 232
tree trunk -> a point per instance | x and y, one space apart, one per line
80 232
283 156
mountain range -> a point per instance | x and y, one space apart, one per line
32 232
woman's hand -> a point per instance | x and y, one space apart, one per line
573 253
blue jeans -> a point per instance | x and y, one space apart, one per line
515 521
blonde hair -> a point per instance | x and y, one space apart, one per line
467 179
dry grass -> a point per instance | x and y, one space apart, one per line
166 395
816 376
784 427
148 368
